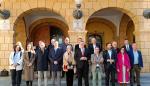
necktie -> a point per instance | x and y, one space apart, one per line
110 53
82 52
128 48
55 50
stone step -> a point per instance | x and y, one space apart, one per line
5 81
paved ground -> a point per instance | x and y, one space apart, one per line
5 81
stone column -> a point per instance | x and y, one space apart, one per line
75 34
143 41
6 46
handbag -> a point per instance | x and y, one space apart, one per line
4 72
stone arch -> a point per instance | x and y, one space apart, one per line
26 12
126 29
105 21
101 27
59 18
127 12
133 16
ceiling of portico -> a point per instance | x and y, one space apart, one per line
37 15
112 15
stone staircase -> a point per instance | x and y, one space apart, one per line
5 81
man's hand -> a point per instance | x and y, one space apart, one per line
55 62
128 70
75 70
14 65
29 64
108 60
101 61
83 58
111 61
118 70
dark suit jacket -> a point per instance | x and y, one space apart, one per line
140 59
50 47
116 50
78 55
129 52
41 59
130 47
106 57
64 46
77 47
91 49
56 56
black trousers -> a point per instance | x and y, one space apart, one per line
16 77
109 71
69 77
29 83
83 73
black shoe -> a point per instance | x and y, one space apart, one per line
131 85
62 76
138 85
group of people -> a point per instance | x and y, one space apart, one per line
123 64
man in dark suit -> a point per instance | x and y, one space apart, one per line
82 62
116 50
49 48
77 45
128 49
115 47
63 46
52 44
136 64
56 57
77 48
93 45
109 64
42 62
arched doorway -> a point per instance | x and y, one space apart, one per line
102 29
126 29
40 24
110 24
46 31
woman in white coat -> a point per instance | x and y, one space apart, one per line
16 65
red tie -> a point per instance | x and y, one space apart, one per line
82 51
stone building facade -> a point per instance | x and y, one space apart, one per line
107 20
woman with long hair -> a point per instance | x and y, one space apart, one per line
123 67
29 58
16 65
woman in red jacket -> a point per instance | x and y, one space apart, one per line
123 67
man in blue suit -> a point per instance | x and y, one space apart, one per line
136 64
56 57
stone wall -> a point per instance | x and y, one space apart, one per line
133 8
